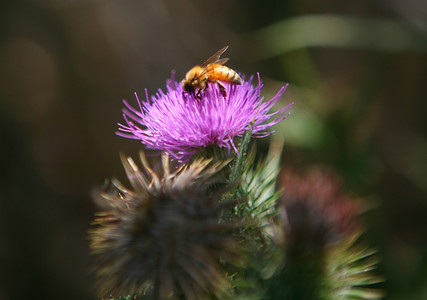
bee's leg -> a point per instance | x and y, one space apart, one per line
198 94
222 89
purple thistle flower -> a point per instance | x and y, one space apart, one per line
181 124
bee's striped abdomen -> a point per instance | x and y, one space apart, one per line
223 73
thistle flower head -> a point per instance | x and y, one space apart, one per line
163 237
181 124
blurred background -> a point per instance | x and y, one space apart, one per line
357 73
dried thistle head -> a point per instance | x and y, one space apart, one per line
164 237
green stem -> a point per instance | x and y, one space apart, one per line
237 169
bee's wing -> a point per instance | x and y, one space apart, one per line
215 58
222 61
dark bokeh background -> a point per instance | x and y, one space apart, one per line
357 72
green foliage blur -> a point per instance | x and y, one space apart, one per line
357 74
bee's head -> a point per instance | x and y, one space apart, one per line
187 87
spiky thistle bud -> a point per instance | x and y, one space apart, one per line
163 238
322 257
316 209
